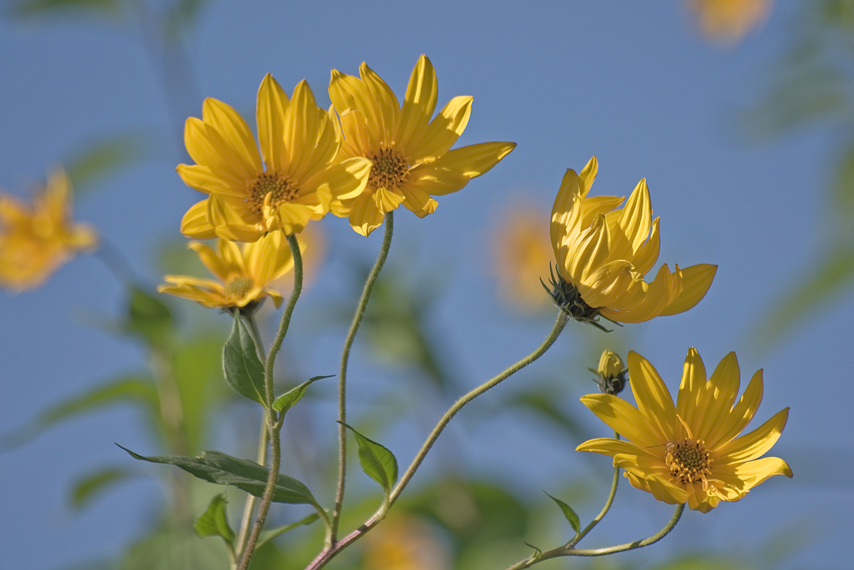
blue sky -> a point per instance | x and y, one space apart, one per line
632 83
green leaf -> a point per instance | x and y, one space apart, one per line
570 515
128 389
376 461
268 535
86 489
171 548
148 317
290 398
244 371
214 521
97 160
222 469
38 8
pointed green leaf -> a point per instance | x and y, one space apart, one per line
570 515
36 8
148 316
88 488
244 371
273 533
97 160
376 461
223 469
290 398
214 521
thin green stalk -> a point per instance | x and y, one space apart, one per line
342 376
330 552
271 418
608 502
566 550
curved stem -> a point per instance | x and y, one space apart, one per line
608 502
342 376
272 422
330 552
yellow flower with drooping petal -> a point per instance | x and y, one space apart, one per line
603 253
690 452
409 152
290 182
244 273
729 20
36 240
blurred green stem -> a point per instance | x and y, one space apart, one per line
608 502
272 420
342 376
330 552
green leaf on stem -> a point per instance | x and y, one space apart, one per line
290 398
268 535
376 461
244 371
214 521
570 515
222 469
86 489
148 316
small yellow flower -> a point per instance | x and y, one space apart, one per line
603 253
295 183
244 273
690 452
409 152
36 240
521 254
409 543
729 20
611 374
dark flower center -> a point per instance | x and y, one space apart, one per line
689 461
238 286
278 186
390 169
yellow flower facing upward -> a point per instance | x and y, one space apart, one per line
36 240
291 181
728 21
690 452
243 273
603 253
409 153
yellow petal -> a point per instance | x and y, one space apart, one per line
696 281
348 92
640 308
211 260
270 116
417 201
742 413
365 217
588 175
269 258
387 200
300 129
590 252
386 103
563 207
207 147
636 216
755 472
418 104
647 254
234 130
436 181
201 178
652 397
612 447
343 181
195 222
444 130
623 418
326 149
227 222
717 400
754 444
692 387
474 160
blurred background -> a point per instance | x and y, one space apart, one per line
741 122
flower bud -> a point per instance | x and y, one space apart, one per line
611 376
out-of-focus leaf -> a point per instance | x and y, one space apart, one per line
110 9
183 16
137 390
828 279
705 562
377 462
222 469
290 398
570 515
843 194
85 490
197 370
268 535
148 317
244 371
544 404
214 521
98 160
175 548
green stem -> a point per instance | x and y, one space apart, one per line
272 422
567 550
342 376
330 552
614 481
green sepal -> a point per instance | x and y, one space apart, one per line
268 535
243 369
570 515
222 469
290 398
377 461
538 553
214 521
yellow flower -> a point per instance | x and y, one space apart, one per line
729 20
409 543
35 241
243 272
603 253
521 252
690 452
295 183
409 152
611 374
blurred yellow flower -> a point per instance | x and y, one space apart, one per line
244 273
729 20
409 152
690 452
603 252
521 256
407 543
295 183
36 240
